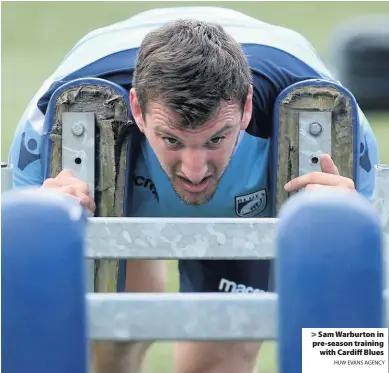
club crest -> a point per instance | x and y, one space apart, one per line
252 204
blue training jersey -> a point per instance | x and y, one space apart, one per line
278 57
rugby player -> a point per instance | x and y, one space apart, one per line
202 83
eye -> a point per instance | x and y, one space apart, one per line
170 140
217 140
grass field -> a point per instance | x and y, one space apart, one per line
36 36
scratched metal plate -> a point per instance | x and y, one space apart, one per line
78 146
314 139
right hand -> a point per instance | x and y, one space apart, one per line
65 182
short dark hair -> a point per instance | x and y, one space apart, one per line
191 66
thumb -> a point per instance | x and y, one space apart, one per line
327 165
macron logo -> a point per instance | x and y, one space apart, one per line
232 287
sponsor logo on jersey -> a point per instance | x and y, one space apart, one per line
232 287
148 184
251 204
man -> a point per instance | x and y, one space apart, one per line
203 99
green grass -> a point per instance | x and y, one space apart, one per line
36 36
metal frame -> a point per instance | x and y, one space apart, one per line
235 316
148 317
221 316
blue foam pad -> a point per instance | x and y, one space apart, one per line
329 268
43 296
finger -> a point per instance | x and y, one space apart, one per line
86 201
73 191
81 186
327 165
321 178
311 187
57 182
91 206
311 178
64 174
68 177
68 181
318 186
68 189
50 183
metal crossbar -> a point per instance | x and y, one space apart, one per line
189 238
188 316
123 317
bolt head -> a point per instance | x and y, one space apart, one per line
78 129
315 129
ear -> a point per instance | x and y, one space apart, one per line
247 110
136 110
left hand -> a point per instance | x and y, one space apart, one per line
328 178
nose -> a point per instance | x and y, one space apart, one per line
194 165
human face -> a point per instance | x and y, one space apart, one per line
193 159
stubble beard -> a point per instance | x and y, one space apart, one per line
205 197
197 199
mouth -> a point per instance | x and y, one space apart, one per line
195 188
